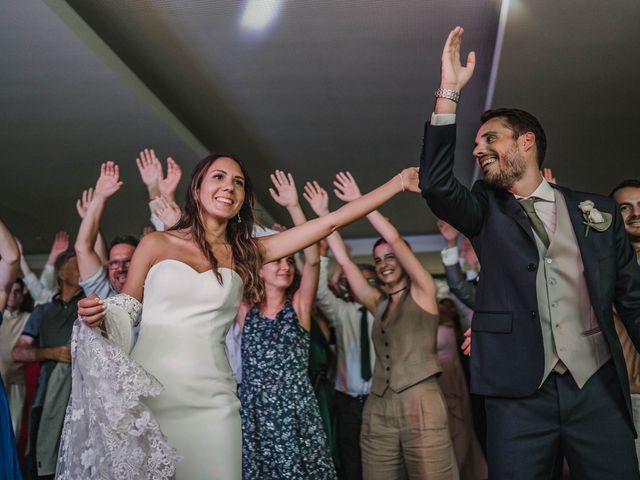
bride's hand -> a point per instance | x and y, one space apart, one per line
91 310
409 177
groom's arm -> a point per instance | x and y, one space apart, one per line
445 195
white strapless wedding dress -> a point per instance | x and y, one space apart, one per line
185 319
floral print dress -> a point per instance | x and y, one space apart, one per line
282 432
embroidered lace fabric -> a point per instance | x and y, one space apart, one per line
123 312
108 433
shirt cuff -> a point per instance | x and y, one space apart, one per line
450 256
471 275
441 119
156 222
30 280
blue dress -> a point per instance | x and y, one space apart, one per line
9 466
282 432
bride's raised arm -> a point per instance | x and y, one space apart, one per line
290 241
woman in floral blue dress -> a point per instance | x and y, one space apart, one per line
282 432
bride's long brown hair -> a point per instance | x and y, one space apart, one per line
245 251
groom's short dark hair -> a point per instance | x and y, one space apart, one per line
520 122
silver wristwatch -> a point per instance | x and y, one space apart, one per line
447 93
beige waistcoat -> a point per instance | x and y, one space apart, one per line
571 335
405 345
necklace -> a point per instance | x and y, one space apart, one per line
398 291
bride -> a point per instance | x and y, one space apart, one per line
192 279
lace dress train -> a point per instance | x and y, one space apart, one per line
108 433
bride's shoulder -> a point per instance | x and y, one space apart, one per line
163 239
159 245
156 242
153 239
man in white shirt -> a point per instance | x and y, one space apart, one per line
352 324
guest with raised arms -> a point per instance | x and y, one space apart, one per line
279 409
405 429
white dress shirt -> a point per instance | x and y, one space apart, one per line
345 318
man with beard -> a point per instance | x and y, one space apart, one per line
627 196
545 352
108 280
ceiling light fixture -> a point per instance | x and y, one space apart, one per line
259 14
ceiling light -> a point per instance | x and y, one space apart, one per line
259 14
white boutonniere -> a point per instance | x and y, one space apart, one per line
594 218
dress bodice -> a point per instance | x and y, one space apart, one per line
185 317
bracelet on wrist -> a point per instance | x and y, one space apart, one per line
401 181
448 94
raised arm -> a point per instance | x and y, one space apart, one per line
423 288
9 263
325 298
285 243
456 279
364 293
150 171
107 185
445 195
167 211
82 205
285 194
37 291
60 244
453 75
169 183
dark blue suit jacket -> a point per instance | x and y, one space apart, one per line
507 352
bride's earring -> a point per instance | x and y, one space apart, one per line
239 218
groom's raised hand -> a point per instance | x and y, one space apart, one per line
453 75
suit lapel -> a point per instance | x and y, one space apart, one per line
577 222
512 208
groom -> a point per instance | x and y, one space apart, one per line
554 262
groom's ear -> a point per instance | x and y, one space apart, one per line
528 140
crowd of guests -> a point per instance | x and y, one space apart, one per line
320 324
334 347
355 373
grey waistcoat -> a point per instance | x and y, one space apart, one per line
570 332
